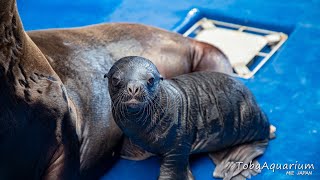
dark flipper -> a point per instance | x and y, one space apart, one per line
230 162
175 166
132 151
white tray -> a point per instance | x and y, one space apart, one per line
241 44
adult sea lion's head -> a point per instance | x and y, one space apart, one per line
133 83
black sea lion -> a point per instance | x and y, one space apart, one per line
53 94
192 113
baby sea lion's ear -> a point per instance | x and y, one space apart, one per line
106 75
161 78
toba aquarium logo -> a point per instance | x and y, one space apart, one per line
290 168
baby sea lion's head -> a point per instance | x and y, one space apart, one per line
133 82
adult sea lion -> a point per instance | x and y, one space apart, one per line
53 115
192 113
81 56
37 137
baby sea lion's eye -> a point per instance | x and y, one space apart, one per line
151 81
115 81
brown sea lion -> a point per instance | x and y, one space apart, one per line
53 114
37 137
200 112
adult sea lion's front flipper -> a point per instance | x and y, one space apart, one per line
132 151
230 162
37 136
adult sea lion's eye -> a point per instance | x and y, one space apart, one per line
151 81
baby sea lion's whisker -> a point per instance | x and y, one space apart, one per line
147 110
122 113
144 120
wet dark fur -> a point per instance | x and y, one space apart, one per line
192 113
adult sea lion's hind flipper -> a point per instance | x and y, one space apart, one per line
132 151
230 162
272 132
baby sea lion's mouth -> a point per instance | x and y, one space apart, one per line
133 104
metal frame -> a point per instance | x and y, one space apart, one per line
207 23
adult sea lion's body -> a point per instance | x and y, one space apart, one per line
192 113
54 94
81 56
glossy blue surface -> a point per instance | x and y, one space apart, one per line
287 87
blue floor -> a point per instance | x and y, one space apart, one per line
287 87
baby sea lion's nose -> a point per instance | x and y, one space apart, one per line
134 88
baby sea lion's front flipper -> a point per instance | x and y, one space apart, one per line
238 162
175 166
132 151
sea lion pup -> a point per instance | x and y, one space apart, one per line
193 113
